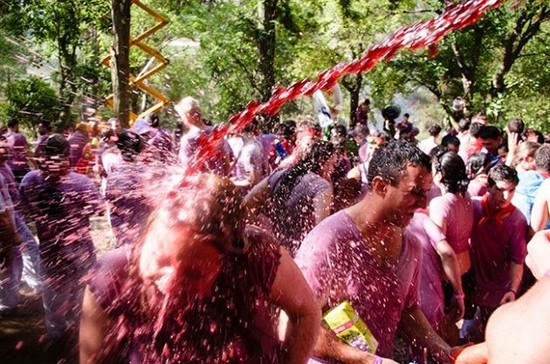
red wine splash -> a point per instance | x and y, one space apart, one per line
414 37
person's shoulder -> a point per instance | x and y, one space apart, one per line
31 177
328 232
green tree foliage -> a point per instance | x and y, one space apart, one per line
29 100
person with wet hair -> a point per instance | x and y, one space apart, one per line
477 168
498 249
430 143
128 189
450 143
362 254
60 203
491 139
20 155
452 211
198 286
296 199
307 132
160 140
530 181
470 143
220 158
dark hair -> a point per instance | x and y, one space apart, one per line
502 172
153 120
475 129
57 145
391 160
45 124
516 125
340 130
287 128
542 158
130 144
406 115
489 132
450 139
453 172
12 122
477 164
464 124
312 162
434 129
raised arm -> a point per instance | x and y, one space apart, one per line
94 326
291 292
255 199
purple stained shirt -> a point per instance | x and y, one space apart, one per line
61 212
77 141
235 325
129 200
432 299
218 163
458 214
9 178
494 246
18 147
338 265
293 216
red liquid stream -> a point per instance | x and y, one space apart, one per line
416 36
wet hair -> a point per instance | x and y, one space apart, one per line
542 158
434 129
153 120
57 145
526 149
475 129
489 132
287 129
391 160
12 122
477 164
308 123
464 124
450 139
361 130
207 206
312 162
107 134
502 172
453 172
516 125
130 144
45 124
340 130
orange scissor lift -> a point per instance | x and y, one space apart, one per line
141 81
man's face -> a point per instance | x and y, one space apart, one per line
501 194
491 144
42 130
404 198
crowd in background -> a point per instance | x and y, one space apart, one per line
216 236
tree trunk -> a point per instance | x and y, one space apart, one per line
120 60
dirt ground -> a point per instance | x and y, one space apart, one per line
22 333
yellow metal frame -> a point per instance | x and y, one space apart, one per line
140 82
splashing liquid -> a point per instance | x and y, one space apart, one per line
416 36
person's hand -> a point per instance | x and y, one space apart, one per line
457 306
508 297
538 254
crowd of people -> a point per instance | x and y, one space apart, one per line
232 248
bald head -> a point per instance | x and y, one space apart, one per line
189 110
